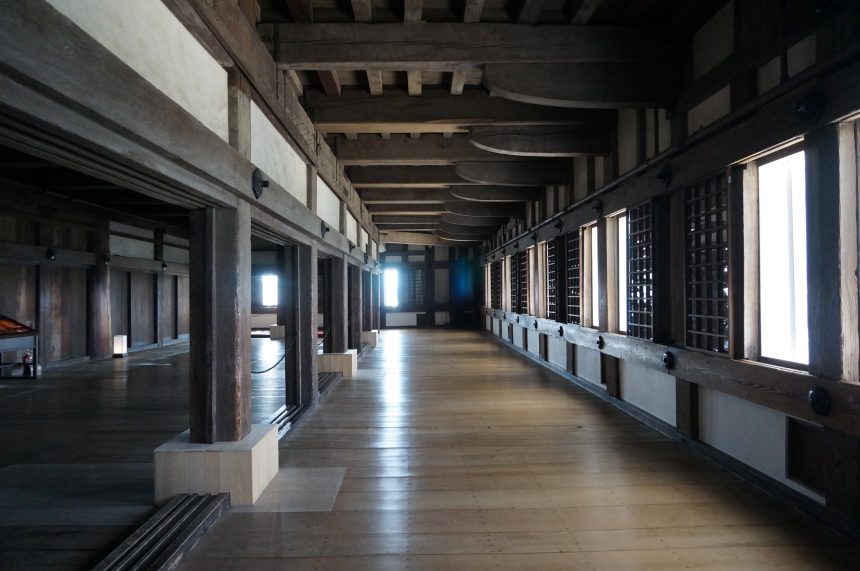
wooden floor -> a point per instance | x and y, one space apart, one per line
76 450
452 452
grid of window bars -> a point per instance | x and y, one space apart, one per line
640 272
496 285
707 265
574 291
515 284
412 287
551 280
523 275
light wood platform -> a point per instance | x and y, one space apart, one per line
449 451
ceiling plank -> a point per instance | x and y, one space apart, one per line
442 234
430 150
520 173
404 195
404 177
410 238
411 209
466 230
461 220
444 46
595 86
436 111
585 11
542 140
494 193
406 219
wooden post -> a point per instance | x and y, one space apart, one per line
288 316
687 408
220 295
159 289
375 306
823 254
98 299
610 374
306 340
339 312
430 285
354 306
366 300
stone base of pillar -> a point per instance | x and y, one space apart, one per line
370 338
277 331
243 469
343 363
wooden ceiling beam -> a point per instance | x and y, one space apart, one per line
410 238
446 46
410 209
461 220
494 193
430 150
404 177
585 11
406 219
529 11
594 86
443 235
412 10
467 230
485 209
472 11
404 195
520 173
436 111
374 81
542 140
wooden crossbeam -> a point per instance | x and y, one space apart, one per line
444 46
495 193
404 195
472 11
404 177
531 173
374 81
542 140
411 209
585 11
431 149
413 78
529 11
436 111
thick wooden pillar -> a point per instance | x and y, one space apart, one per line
339 314
220 306
288 316
306 309
430 285
354 307
99 344
366 301
823 253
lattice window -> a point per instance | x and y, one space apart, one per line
551 280
574 289
640 272
412 287
496 285
707 265
515 284
523 276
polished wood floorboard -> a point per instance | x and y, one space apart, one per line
76 450
449 451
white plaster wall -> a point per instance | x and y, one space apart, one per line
767 75
534 342
497 326
375 252
440 286
176 255
651 390
415 258
328 205
557 352
518 336
588 365
276 157
714 41
626 140
364 240
714 107
753 434
351 228
401 319
442 318
148 38
488 323
801 55
131 248
394 259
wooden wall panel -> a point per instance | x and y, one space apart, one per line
119 302
182 305
142 309
64 303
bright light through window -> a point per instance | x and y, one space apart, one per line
270 290
595 285
622 273
390 281
782 243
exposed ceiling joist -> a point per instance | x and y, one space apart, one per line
446 46
397 237
436 111
467 230
410 209
461 220
529 11
472 11
485 209
594 86
585 11
444 235
519 173
486 193
542 140
407 219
